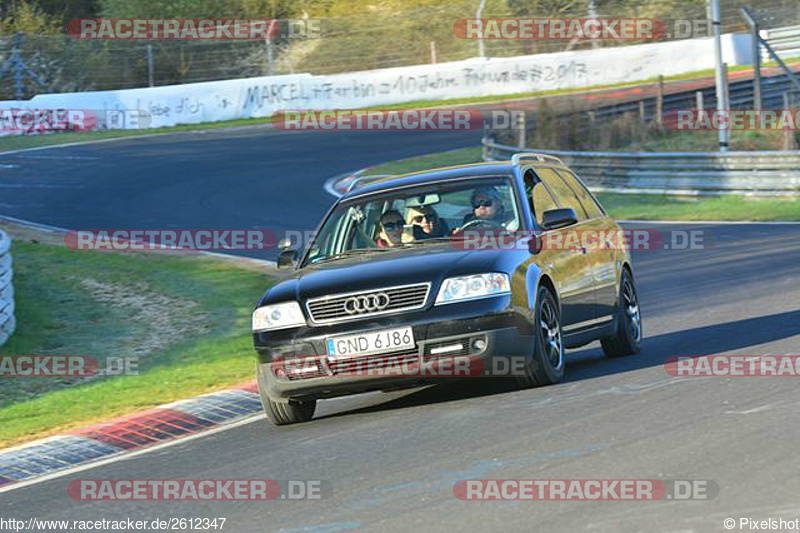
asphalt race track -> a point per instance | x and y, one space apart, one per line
392 459
234 179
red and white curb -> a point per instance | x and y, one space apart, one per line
128 434
338 185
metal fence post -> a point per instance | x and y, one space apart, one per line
756 69
722 104
18 90
789 139
268 44
756 51
726 85
150 65
481 48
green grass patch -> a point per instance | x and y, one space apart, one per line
633 206
664 207
184 320
425 162
708 141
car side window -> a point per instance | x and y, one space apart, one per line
593 209
542 201
539 198
563 194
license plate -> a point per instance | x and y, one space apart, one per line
387 340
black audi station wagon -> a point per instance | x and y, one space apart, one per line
400 272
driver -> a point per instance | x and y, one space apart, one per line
486 205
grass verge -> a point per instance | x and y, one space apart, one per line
633 206
708 141
183 320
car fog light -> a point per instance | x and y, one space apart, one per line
479 344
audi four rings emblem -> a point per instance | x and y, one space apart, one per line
367 303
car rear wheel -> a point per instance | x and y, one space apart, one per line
282 414
546 365
628 338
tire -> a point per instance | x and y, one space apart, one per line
282 414
628 338
546 365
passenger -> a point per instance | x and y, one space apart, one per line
426 223
391 229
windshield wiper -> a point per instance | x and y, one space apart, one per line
430 240
348 253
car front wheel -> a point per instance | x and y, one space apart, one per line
282 414
546 365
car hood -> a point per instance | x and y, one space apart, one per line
427 263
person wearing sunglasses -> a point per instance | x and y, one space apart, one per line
391 229
426 223
486 205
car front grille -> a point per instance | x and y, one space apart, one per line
330 309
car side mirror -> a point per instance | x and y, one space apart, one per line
559 218
287 259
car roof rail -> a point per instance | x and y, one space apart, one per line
519 158
362 181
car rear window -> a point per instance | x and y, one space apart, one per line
588 201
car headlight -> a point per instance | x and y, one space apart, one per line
278 316
472 287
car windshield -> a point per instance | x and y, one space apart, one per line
415 216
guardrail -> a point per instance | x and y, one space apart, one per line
7 321
679 173
785 41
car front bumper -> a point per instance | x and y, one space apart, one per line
487 331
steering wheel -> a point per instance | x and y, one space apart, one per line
480 222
